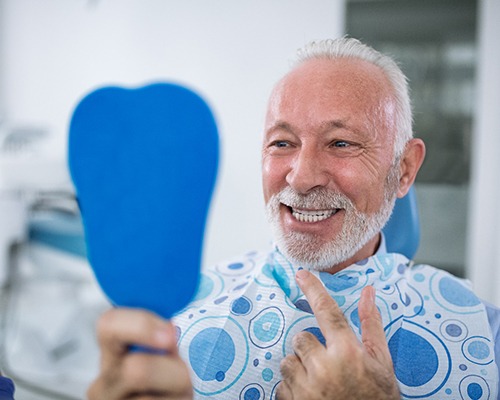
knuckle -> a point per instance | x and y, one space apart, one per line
302 339
118 324
284 365
287 366
183 379
323 303
375 319
103 386
370 345
298 340
336 319
135 372
105 323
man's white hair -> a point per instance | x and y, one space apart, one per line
352 48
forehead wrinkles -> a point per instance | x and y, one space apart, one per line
344 85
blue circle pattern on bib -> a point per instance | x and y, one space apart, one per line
247 311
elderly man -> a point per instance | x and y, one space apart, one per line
327 313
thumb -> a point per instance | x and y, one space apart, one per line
372 329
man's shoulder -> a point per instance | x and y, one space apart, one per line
437 274
454 287
493 313
445 289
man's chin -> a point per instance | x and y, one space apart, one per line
313 263
305 251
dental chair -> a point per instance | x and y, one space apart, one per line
49 307
402 231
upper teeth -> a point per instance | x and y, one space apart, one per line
312 216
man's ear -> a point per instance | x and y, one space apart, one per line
411 161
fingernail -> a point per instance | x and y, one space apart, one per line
302 275
162 337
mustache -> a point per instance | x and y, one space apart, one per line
318 198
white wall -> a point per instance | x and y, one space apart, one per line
232 51
484 215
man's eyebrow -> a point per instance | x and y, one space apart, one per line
280 126
325 126
334 124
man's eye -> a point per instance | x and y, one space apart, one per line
280 144
340 143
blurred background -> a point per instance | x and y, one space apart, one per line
53 52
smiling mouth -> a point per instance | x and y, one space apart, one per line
312 215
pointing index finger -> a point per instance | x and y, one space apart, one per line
326 310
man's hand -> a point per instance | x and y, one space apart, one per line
345 369
129 374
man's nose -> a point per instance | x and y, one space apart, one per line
307 172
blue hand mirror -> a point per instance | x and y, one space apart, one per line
144 164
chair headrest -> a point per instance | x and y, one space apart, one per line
402 231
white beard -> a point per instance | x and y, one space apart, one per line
357 230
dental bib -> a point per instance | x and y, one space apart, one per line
144 163
247 311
